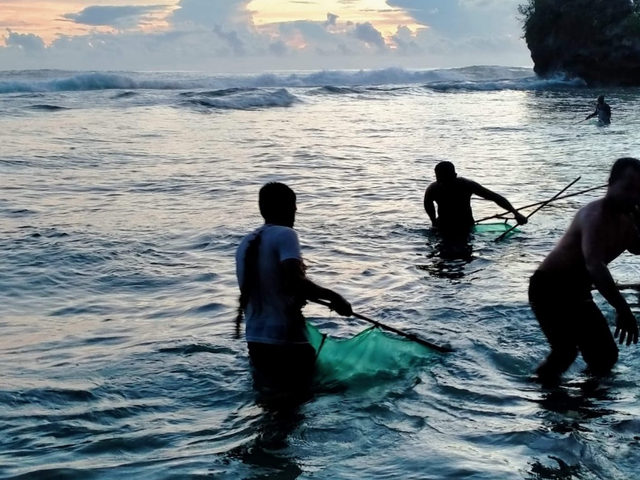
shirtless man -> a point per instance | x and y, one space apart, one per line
560 290
453 196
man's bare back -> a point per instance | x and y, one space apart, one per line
601 230
560 290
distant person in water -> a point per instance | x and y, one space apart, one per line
603 111
453 194
273 290
560 290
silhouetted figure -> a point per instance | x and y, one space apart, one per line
560 290
274 288
603 111
453 194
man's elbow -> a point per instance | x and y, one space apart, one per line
595 267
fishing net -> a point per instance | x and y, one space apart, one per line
494 228
371 353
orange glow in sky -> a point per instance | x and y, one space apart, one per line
46 18
383 17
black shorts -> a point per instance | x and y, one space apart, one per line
570 319
288 367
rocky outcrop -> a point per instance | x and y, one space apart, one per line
596 40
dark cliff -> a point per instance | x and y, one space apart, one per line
596 40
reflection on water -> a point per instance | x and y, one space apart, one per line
562 471
567 407
118 230
568 411
269 454
448 256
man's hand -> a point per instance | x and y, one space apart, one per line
521 219
627 327
342 307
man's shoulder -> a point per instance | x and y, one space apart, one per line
279 233
280 229
592 206
247 238
590 214
467 183
465 180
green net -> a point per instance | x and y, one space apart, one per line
371 353
494 228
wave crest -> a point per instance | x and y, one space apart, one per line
277 98
529 83
88 81
208 89
48 108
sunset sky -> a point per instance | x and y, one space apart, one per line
228 35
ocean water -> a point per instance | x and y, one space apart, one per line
123 197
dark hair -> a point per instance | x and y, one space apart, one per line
274 198
620 166
601 98
445 171
250 277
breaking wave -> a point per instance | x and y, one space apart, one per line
333 90
33 82
218 93
48 108
127 94
88 81
246 91
277 98
529 83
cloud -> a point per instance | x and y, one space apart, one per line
220 35
331 20
367 33
114 16
27 42
209 13
405 42
232 40
464 18
278 48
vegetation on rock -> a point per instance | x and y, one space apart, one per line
596 40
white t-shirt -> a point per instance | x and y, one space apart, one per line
271 316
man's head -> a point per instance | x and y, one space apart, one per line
601 99
624 182
445 172
278 204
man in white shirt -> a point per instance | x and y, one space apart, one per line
274 288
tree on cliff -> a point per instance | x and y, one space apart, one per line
596 40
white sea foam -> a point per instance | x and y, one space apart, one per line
528 83
26 82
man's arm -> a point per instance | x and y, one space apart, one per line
498 199
429 206
603 281
297 284
594 114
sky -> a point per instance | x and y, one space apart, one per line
259 35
